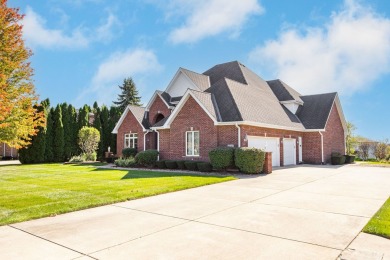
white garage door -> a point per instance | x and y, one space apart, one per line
289 151
268 144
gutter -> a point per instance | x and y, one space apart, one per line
322 148
239 135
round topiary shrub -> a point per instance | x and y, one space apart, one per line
147 158
171 164
129 152
249 160
204 166
181 165
222 157
191 165
161 164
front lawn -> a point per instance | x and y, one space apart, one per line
35 191
380 222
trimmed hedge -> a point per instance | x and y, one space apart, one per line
249 160
171 164
204 166
147 158
181 165
191 165
222 157
161 164
129 152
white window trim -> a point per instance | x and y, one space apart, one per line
131 137
193 143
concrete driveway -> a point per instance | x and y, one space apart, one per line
304 212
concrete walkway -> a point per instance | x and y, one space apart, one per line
304 212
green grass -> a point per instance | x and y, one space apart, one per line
380 222
35 191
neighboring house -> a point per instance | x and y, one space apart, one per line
229 105
5 150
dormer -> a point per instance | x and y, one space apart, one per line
292 105
185 79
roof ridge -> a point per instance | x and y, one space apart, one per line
327 93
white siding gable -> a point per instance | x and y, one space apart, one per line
179 85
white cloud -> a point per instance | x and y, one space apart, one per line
36 33
105 32
345 55
135 63
206 18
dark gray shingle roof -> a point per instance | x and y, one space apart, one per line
200 80
140 115
283 91
316 109
206 100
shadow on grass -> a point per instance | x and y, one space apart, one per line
134 174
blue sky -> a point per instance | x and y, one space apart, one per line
83 49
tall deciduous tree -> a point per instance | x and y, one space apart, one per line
58 137
20 116
350 139
129 95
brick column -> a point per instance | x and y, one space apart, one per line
267 168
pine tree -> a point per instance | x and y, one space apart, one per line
74 130
97 123
49 136
58 137
129 95
66 121
83 117
104 117
115 114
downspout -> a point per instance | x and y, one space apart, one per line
145 139
322 148
239 135
158 144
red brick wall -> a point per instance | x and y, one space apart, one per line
334 140
227 135
165 144
8 151
158 105
267 163
260 131
191 115
311 148
129 124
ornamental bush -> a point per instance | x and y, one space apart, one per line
181 165
204 166
191 165
249 160
147 158
161 164
129 152
222 157
127 162
171 164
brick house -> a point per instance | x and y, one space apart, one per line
229 105
5 150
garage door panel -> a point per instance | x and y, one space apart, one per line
289 151
267 144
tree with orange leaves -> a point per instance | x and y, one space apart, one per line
20 118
